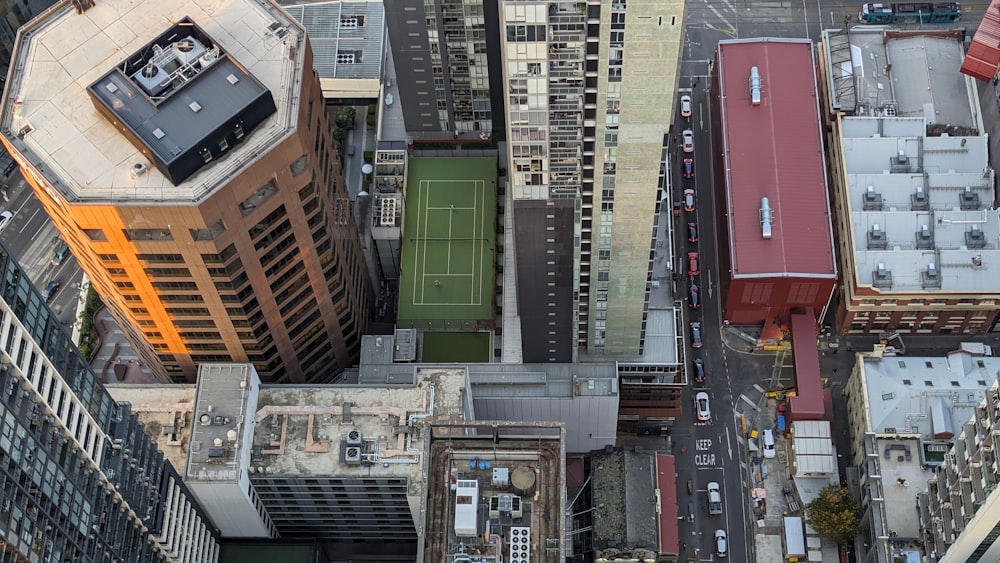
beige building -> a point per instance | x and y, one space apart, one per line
913 191
590 98
183 151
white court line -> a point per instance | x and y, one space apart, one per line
451 217
482 241
427 197
416 246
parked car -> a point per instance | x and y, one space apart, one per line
692 232
51 290
767 443
687 140
694 301
685 106
60 254
714 498
721 549
696 335
689 168
701 406
5 218
699 370
688 200
693 264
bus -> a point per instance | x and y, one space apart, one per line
910 12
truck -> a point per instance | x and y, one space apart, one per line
714 498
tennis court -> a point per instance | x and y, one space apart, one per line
448 244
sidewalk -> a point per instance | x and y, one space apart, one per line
115 361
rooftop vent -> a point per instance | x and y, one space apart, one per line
930 278
881 277
755 86
919 200
925 238
901 157
877 239
975 237
872 200
765 218
969 200
352 455
354 438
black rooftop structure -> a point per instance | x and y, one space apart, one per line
181 101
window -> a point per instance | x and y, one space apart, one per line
348 57
352 22
299 166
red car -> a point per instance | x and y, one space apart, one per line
689 168
693 264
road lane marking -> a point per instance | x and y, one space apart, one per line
749 402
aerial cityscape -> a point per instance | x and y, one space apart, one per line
551 281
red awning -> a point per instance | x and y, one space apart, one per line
666 483
807 404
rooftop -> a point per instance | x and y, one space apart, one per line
876 71
624 490
929 396
921 208
777 208
166 411
249 50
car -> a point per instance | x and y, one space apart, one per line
721 549
60 254
5 218
689 168
51 290
714 498
692 232
767 443
702 409
688 200
693 264
694 302
696 335
687 140
699 370
685 106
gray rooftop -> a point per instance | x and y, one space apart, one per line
348 38
907 74
220 432
926 395
900 181
50 119
625 500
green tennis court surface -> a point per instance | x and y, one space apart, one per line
455 347
446 280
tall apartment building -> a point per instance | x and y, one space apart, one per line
589 95
80 478
958 513
443 51
190 168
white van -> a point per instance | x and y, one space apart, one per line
767 442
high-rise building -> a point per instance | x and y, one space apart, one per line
443 51
589 95
189 165
80 478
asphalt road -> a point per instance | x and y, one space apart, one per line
32 240
715 451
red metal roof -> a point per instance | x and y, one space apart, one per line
807 404
666 482
774 150
984 51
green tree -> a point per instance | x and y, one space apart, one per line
834 514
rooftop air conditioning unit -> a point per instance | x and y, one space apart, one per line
352 455
354 438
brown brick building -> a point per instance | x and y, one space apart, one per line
191 170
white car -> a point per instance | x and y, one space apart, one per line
701 404
685 106
687 140
5 218
721 549
714 498
767 443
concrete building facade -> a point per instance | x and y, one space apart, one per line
80 478
589 98
905 413
191 170
913 190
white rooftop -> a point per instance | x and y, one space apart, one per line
78 150
922 208
930 396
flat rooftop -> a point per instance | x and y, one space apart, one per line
876 70
50 119
165 411
922 207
